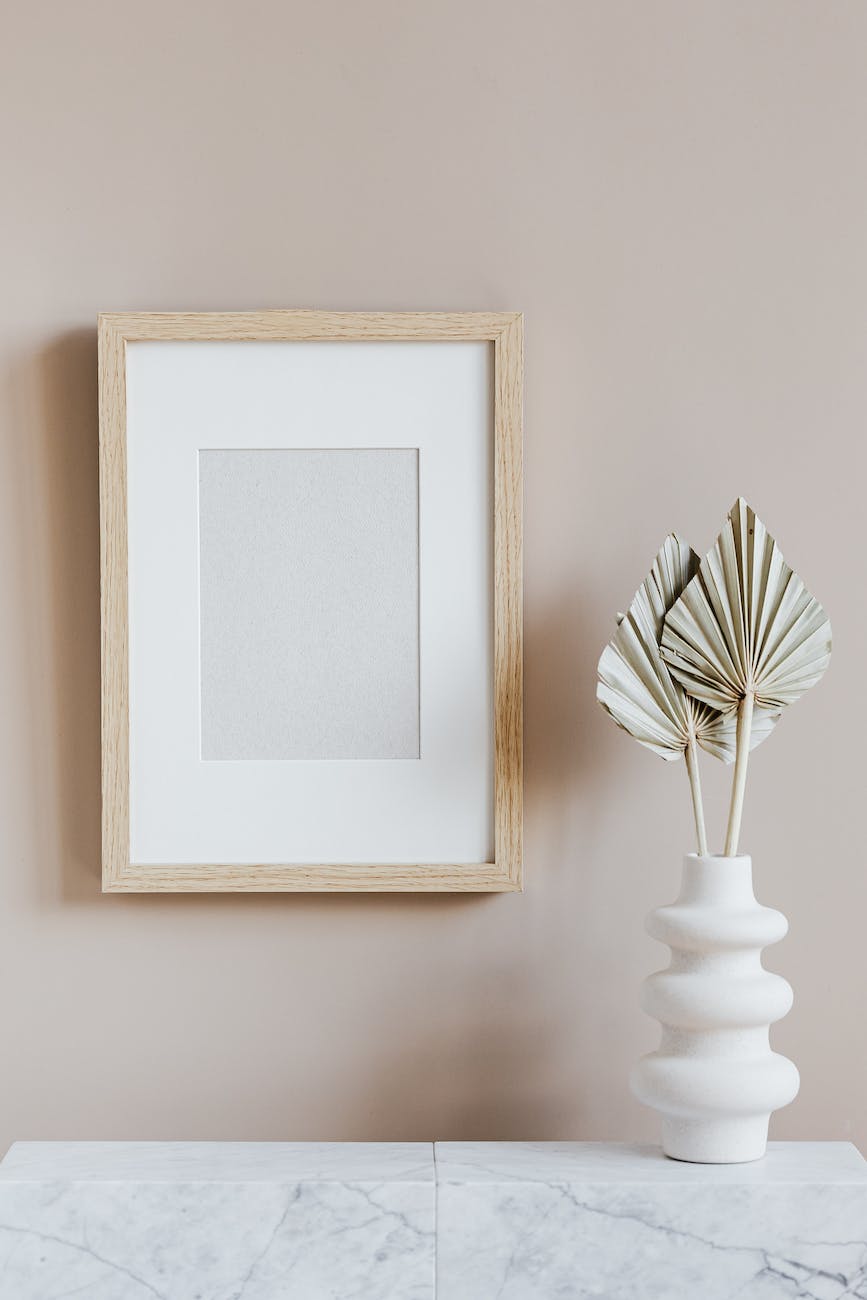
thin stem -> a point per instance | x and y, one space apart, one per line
691 756
739 780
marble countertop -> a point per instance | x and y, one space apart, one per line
428 1221
627 1162
419 1162
219 1162
529 1221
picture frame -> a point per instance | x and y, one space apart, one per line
167 382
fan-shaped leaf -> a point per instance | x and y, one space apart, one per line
746 624
635 685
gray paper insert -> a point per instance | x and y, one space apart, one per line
309 590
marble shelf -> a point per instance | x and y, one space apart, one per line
414 1221
531 1220
216 1221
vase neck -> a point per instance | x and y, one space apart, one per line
717 880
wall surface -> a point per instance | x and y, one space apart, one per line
675 194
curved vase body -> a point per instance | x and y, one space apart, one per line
714 1078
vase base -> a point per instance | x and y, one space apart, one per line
716 1141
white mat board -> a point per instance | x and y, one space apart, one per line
188 400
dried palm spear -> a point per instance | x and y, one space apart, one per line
640 693
745 635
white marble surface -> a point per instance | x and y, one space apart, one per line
528 1221
630 1162
346 1221
213 1221
237 1162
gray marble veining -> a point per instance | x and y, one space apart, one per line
508 1221
529 1221
213 1221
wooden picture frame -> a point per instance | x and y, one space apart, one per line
503 332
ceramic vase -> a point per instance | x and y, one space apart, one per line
714 1079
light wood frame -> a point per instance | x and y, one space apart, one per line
502 329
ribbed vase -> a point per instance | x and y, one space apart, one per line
714 1079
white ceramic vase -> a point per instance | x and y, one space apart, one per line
714 1078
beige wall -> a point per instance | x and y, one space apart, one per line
675 194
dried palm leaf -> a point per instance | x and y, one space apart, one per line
745 635
639 692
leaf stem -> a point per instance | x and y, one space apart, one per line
691 756
739 780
